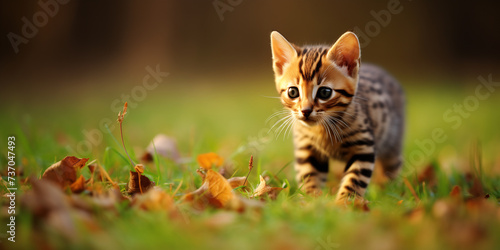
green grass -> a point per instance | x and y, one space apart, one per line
230 120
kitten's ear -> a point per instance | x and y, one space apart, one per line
283 52
346 53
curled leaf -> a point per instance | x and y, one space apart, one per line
135 185
263 189
215 191
154 200
48 202
456 192
208 160
78 186
428 175
236 181
63 173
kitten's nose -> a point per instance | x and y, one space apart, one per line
306 112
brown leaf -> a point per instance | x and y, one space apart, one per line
92 168
44 197
78 186
263 189
208 160
416 215
477 189
236 181
215 191
48 202
428 175
133 186
106 199
165 146
456 192
154 200
444 209
63 173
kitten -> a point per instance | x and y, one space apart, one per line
340 110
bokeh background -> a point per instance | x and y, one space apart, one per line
84 58
66 78
189 38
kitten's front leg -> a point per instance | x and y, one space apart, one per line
311 168
357 175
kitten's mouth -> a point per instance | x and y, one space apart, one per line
308 121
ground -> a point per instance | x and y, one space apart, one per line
446 197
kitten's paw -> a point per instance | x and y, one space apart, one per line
352 200
314 192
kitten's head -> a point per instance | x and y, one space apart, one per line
316 82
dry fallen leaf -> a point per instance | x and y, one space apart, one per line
78 186
263 189
428 175
154 200
416 215
48 202
165 146
215 191
135 185
92 168
236 181
477 189
63 173
444 209
106 199
208 160
456 192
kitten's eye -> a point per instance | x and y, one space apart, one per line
324 93
293 92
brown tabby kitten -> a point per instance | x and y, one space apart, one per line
344 111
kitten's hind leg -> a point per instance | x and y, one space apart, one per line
391 165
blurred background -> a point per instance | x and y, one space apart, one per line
63 64
85 39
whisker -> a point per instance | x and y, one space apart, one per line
328 129
273 97
280 120
360 97
282 126
281 112
335 130
339 121
289 129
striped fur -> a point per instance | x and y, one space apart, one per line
361 121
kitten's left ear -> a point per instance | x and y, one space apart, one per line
283 52
346 53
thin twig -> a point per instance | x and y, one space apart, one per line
409 186
250 167
121 117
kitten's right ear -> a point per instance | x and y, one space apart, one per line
283 52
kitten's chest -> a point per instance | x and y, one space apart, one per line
316 138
